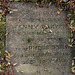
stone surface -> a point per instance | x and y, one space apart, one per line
35 51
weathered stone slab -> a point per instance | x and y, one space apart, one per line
35 50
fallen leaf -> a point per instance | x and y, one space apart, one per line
50 3
7 64
72 21
1 11
73 69
12 55
50 31
11 12
58 12
68 40
69 45
46 26
71 27
6 51
14 64
37 4
8 56
14 10
22 71
60 9
65 0
45 32
49 71
72 62
17 71
1 70
6 33
42 2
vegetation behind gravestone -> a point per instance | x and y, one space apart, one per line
67 5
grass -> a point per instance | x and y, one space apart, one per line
2 35
2 39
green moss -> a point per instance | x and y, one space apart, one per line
29 40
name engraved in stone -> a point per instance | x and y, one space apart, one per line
41 47
37 26
29 26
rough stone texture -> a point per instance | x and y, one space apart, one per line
37 53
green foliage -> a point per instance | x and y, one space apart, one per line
3 18
73 24
32 0
2 67
2 35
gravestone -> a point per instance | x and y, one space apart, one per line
37 39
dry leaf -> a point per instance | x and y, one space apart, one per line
46 26
1 70
72 21
37 4
72 62
42 2
45 32
1 11
22 71
6 33
12 55
14 64
60 9
8 56
11 12
49 71
50 3
14 10
17 71
69 45
58 12
50 31
7 64
65 0
73 69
